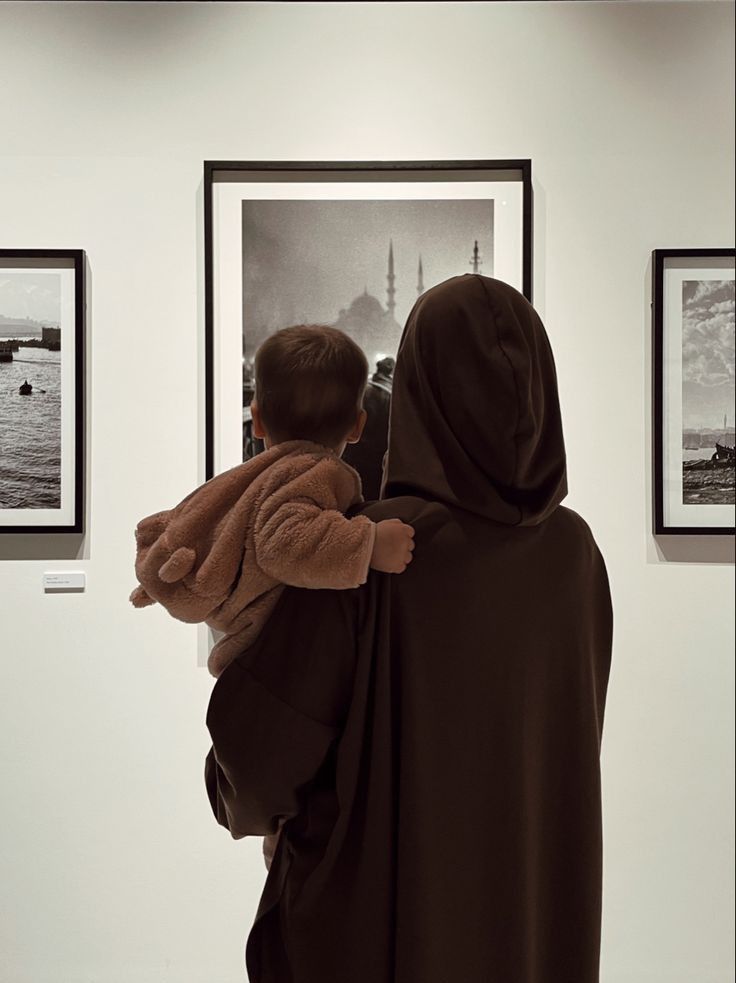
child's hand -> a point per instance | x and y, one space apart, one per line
392 550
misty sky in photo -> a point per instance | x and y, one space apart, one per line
33 295
305 260
707 353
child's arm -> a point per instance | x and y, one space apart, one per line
302 538
306 546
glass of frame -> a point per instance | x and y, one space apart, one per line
42 390
349 244
693 322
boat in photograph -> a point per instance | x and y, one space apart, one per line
709 475
724 454
26 389
722 459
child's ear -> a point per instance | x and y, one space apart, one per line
357 431
258 432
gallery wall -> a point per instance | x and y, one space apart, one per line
113 868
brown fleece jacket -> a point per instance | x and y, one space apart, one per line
224 553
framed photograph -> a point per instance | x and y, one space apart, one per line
693 362
348 244
42 390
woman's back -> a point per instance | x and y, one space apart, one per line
500 642
474 740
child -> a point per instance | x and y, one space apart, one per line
223 555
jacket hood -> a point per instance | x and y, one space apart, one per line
475 415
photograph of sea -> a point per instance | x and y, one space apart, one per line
30 390
708 463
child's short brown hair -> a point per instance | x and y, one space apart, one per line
310 381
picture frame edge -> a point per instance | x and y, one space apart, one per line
79 259
210 169
659 256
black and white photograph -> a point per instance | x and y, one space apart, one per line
694 389
708 463
350 249
358 266
40 403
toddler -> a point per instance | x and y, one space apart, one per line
223 555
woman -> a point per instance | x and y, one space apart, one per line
432 741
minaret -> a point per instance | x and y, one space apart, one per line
475 260
391 290
420 279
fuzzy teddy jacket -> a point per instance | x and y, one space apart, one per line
224 553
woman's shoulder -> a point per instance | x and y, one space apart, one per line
576 531
572 520
409 509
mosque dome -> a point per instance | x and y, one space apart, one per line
366 307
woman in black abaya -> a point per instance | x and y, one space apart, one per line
432 740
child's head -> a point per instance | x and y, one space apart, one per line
310 381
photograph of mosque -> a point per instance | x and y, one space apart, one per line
357 265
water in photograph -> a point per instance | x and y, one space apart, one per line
698 454
30 430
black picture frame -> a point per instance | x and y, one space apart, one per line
73 261
660 257
216 171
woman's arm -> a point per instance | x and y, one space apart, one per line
277 709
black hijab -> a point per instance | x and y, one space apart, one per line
475 419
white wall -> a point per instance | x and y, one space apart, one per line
113 868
